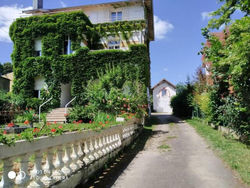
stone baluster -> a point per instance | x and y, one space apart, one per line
74 165
86 151
80 155
96 147
37 172
91 149
104 143
117 144
48 168
100 152
113 140
57 173
23 178
67 160
110 142
7 167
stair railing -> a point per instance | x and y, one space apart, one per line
41 107
66 106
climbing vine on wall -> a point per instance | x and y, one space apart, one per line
124 27
76 68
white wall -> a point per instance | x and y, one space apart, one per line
40 83
65 94
162 103
103 14
38 44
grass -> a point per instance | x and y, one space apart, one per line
164 147
234 153
171 125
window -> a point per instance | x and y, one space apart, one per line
116 16
114 44
163 92
67 46
38 47
37 94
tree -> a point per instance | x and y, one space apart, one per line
1 69
226 10
6 68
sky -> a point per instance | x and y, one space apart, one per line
178 23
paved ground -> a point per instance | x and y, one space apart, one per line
174 156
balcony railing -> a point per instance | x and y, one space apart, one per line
65 160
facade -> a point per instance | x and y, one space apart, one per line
131 10
52 48
162 94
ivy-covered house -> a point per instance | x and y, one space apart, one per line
56 51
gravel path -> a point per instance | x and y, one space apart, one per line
176 157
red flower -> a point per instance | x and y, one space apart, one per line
80 121
90 122
108 116
4 132
100 123
74 121
60 126
11 124
36 130
55 122
48 123
26 122
66 115
125 106
106 122
19 135
53 130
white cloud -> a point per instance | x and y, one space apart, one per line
162 27
63 4
7 15
206 15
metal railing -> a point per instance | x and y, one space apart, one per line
41 107
66 106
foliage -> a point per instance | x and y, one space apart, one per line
115 28
223 14
55 129
234 153
113 92
181 103
57 68
229 95
5 68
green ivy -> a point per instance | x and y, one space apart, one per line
76 68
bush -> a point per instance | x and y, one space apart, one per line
112 93
182 102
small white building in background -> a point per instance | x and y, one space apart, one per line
162 94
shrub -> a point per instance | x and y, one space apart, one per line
182 102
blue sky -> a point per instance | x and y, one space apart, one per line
178 26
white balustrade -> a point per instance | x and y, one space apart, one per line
58 158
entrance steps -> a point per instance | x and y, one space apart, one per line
57 115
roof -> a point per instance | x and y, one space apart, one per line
147 3
8 76
164 81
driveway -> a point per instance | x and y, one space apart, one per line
175 156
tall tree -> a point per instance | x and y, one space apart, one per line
223 14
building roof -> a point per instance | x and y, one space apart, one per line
8 76
147 3
164 81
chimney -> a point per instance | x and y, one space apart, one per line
37 4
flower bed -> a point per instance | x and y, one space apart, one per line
55 129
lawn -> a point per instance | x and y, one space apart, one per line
234 153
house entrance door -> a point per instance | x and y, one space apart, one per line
65 94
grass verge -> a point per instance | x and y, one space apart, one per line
233 152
